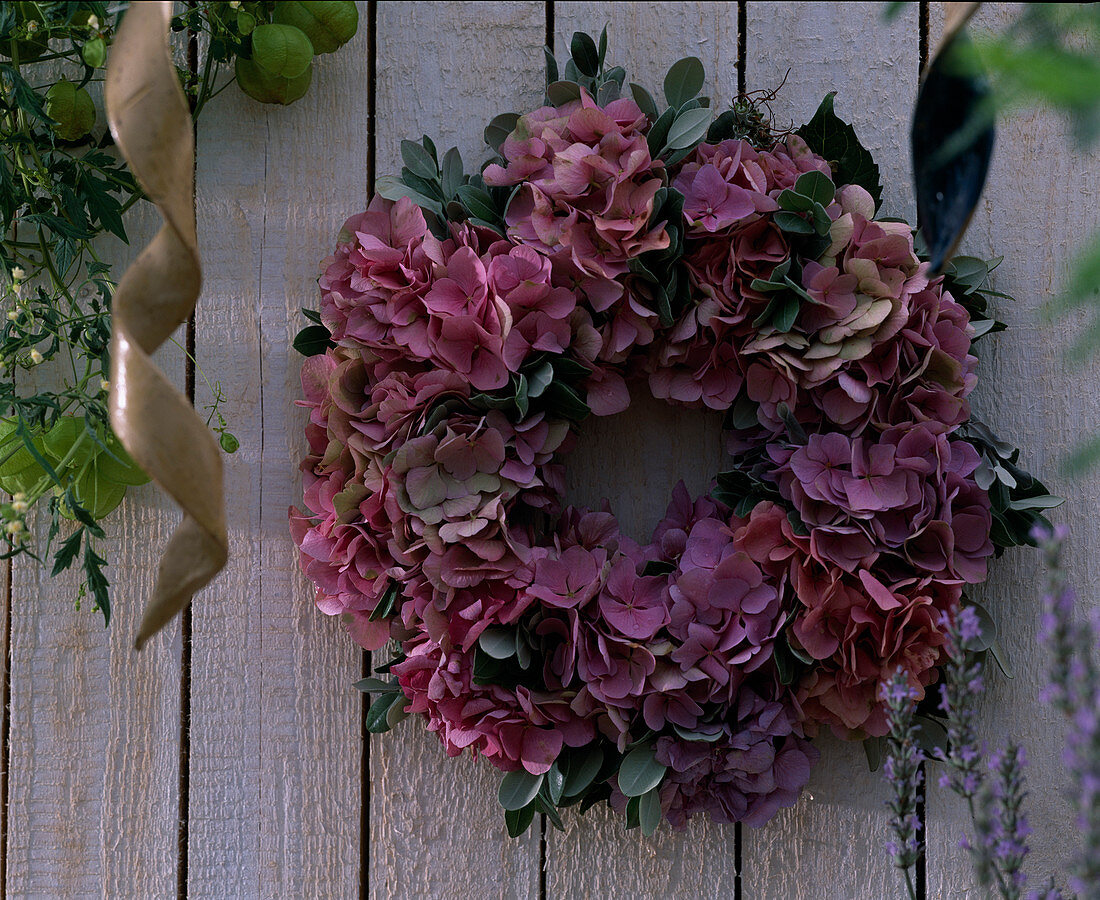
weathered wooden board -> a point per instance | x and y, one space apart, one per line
275 780
835 835
276 793
445 69
93 770
1039 206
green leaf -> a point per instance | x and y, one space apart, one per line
551 65
816 186
649 811
640 771
792 223
539 379
1045 502
684 81
378 714
931 736
645 101
97 581
519 820
478 202
418 160
872 748
561 92
689 128
583 50
376 686
66 554
555 783
580 768
658 132
392 188
497 131
313 340
281 50
453 173
499 643
518 788
829 136
566 402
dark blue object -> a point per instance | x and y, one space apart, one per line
952 139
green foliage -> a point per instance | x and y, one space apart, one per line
64 195
828 135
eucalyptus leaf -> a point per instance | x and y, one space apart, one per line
518 788
518 821
688 129
497 131
684 81
378 715
816 186
645 101
499 643
640 771
418 160
649 811
581 768
452 175
561 92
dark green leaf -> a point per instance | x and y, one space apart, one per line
313 340
580 768
378 714
66 554
831 137
792 223
519 820
583 50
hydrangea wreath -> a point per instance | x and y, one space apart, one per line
470 323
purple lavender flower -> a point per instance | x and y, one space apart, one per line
905 775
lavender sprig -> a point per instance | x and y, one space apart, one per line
903 772
1074 689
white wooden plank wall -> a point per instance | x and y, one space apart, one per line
282 798
1039 204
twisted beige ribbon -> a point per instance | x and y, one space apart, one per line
156 423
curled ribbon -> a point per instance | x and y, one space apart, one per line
156 423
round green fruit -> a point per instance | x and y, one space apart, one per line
329 24
72 109
267 88
281 50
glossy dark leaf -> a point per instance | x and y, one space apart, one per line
952 140
830 136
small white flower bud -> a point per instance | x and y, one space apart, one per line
36 357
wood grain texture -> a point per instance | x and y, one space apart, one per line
93 777
445 69
1039 207
835 838
275 782
633 460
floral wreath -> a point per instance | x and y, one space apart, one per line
470 323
